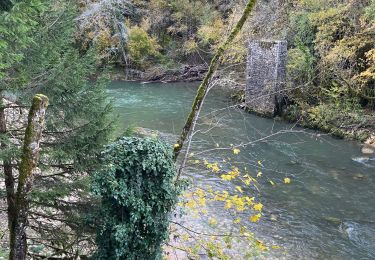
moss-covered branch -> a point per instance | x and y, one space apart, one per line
29 160
215 62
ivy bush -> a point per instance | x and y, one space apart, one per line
137 190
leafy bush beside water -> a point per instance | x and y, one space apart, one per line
137 190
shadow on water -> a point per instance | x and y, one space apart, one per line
328 210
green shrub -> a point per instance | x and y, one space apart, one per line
301 65
136 186
142 48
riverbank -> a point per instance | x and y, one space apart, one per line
356 124
351 124
185 73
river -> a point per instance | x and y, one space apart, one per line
328 209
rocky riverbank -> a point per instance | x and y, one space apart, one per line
186 73
353 125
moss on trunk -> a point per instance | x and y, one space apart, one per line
29 159
202 90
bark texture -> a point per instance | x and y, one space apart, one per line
29 160
202 90
7 167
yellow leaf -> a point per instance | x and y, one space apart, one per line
227 177
236 151
237 220
215 168
258 206
199 192
272 183
239 189
261 246
255 218
247 182
286 180
202 201
176 145
228 204
191 204
259 174
249 201
212 221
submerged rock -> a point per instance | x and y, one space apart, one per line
368 149
146 132
359 176
273 217
333 220
371 141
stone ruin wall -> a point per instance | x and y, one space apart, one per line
266 74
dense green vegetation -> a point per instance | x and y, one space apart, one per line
331 57
137 189
39 55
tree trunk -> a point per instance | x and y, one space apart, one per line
29 160
7 166
202 90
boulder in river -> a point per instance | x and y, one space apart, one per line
368 149
359 176
146 132
370 142
333 220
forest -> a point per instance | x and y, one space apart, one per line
128 129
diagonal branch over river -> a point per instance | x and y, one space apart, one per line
202 90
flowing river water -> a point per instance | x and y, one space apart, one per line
328 209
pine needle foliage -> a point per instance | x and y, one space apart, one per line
136 186
40 54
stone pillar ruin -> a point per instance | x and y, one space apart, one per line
266 74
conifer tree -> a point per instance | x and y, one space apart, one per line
5 5
40 55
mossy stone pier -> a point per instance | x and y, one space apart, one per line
266 74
